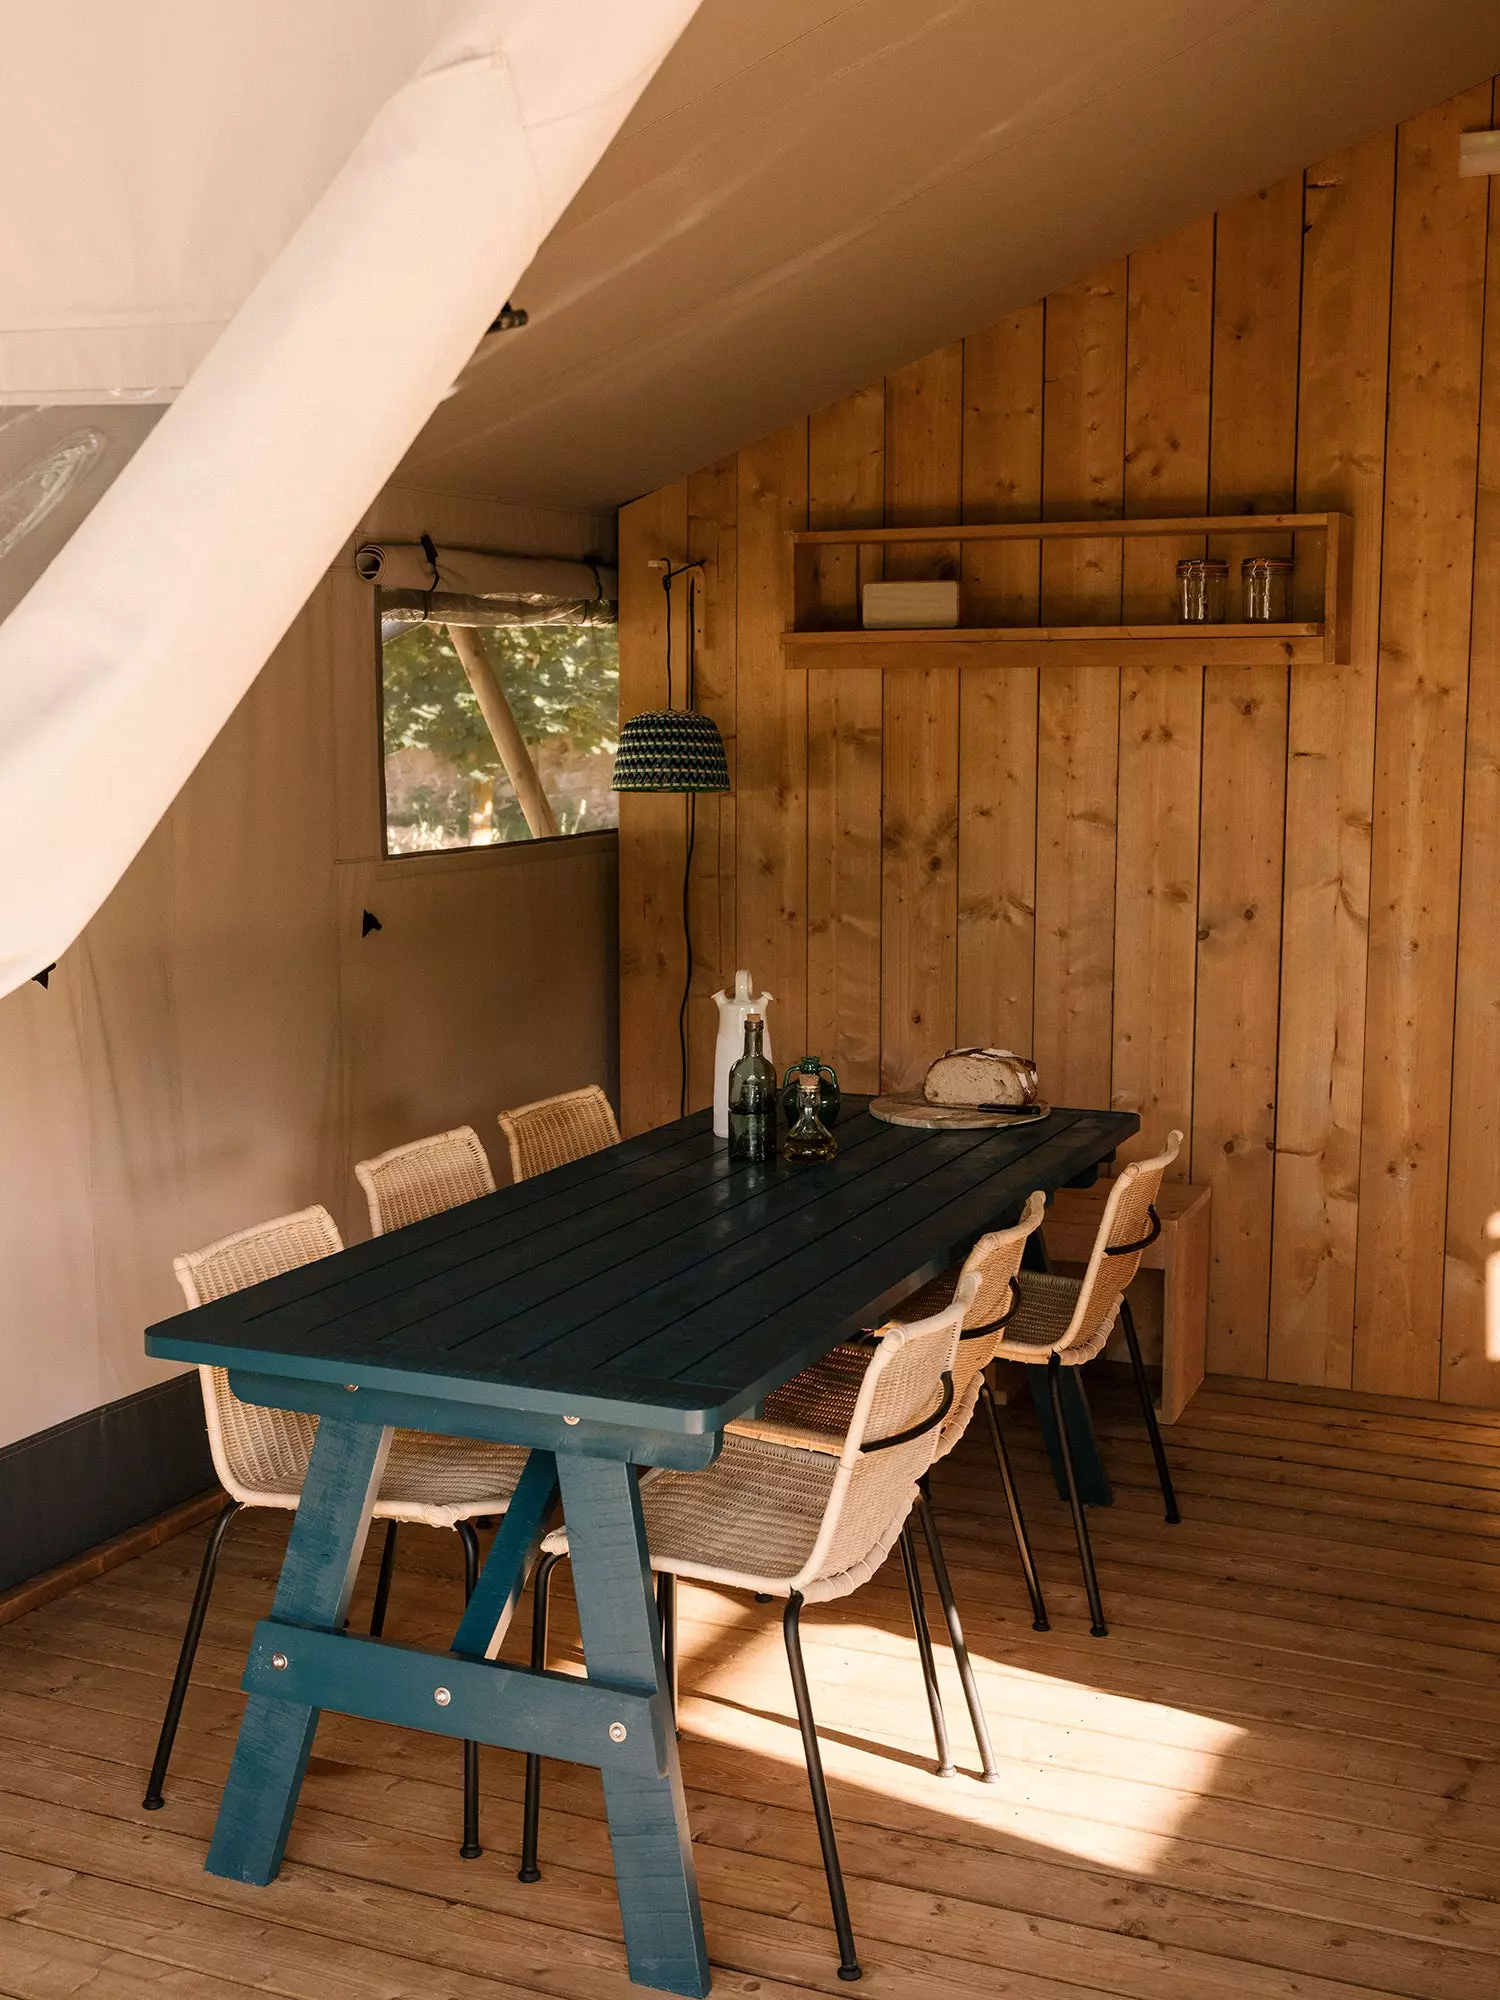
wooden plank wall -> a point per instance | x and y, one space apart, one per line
1253 904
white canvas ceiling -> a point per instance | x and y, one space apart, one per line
809 192
156 156
813 191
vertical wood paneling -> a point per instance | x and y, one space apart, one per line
1437 305
712 498
1257 302
845 483
1474 1161
1222 896
1002 480
652 831
1078 712
919 835
771 764
1170 346
1345 345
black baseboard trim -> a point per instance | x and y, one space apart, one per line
98 1475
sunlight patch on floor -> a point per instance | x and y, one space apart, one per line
872 1722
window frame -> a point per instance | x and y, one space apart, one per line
596 836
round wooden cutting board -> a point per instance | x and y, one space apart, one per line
912 1108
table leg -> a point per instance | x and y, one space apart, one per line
648 1824
317 1581
1093 1481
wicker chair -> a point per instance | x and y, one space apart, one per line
261 1456
422 1178
1063 1322
820 1512
985 1289
556 1130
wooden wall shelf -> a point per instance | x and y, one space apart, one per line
812 641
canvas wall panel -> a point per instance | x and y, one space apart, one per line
215 1050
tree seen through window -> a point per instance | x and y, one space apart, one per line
445 783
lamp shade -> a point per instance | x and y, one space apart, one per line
671 750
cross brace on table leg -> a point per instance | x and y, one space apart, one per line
492 1604
590 1721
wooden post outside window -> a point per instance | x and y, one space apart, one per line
503 727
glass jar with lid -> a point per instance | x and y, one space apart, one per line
1266 589
1201 585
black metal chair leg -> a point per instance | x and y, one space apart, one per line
153 1800
1039 1619
849 1967
666 1614
383 1581
1148 1411
1080 1526
945 1767
531 1812
956 1634
471 1850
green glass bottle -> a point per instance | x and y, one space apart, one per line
809 1138
831 1098
752 1099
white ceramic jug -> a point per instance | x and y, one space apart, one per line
730 1045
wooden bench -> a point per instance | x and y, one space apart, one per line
1180 1253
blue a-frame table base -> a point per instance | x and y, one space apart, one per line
620 1718
611 1315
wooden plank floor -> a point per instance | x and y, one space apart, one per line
1276 1780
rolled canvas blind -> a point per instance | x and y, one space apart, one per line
483 573
128 655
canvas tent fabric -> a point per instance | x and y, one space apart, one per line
159 156
124 660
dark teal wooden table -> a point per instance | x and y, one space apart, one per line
612 1314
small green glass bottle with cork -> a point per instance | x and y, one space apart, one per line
809 1139
752 1099
830 1098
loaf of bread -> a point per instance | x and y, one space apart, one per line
981 1079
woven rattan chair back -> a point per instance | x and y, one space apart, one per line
823 1397
987 1294
816 1509
424 1177
556 1130
907 1382
259 1454
1127 1219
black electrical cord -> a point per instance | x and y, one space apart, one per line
687 861
666 583
687 947
668 574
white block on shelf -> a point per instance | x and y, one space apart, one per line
912 606
1478 153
